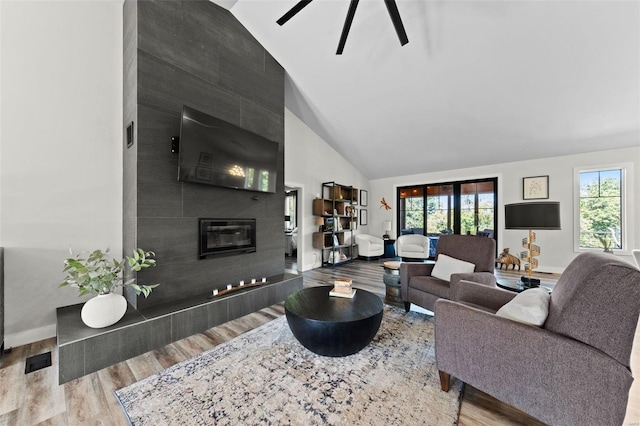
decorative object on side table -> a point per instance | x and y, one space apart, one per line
386 227
99 273
506 258
342 288
535 188
543 215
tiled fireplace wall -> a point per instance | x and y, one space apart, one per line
194 53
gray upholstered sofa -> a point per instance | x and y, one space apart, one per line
418 286
574 369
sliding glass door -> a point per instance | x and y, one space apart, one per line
463 207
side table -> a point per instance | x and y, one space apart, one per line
391 279
518 286
389 249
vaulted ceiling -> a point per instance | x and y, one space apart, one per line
480 81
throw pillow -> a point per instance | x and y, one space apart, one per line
446 265
530 307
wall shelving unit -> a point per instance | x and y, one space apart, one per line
338 211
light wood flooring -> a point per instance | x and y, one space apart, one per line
36 398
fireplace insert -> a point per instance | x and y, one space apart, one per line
227 236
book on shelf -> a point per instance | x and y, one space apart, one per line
348 295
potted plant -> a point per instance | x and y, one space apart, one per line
99 273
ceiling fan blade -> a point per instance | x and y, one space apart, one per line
347 26
392 8
292 12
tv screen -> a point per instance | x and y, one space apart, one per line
215 152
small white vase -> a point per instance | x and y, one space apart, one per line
103 310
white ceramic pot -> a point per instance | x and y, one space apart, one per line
103 310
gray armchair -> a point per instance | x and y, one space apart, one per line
572 370
418 286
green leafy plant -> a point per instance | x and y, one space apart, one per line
98 272
606 242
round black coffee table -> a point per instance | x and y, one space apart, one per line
333 326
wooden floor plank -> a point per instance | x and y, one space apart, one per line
90 399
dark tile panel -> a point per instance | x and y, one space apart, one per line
154 145
174 240
246 303
158 171
273 67
217 202
70 362
218 313
124 340
240 76
70 327
226 30
124 343
189 322
167 88
159 199
173 280
264 122
270 262
165 83
281 292
166 34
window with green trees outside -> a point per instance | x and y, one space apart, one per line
601 209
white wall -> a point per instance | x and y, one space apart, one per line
308 162
60 150
557 246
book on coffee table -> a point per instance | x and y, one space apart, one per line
342 294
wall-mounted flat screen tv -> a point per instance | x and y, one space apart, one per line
215 152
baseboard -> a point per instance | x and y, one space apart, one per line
13 340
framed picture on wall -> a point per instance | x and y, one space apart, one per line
363 217
535 188
363 198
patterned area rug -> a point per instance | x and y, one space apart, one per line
266 377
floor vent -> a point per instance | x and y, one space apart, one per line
37 362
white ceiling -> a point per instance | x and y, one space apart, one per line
480 82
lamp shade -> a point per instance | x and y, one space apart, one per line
387 225
538 215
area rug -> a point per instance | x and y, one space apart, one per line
266 377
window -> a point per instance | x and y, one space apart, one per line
600 209
463 207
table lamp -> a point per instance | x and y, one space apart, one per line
543 215
387 228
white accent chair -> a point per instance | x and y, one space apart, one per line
369 246
412 246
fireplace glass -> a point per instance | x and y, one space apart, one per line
227 236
